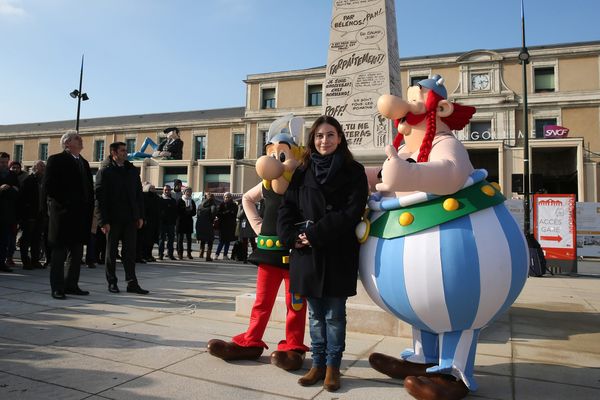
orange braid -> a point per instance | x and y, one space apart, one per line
429 135
431 104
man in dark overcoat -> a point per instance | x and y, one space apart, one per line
30 214
120 209
168 219
9 192
69 189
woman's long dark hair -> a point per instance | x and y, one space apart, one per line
310 143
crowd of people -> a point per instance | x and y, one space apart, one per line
56 210
60 210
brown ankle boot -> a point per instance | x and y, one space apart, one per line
202 250
208 253
435 387
314 375
332 379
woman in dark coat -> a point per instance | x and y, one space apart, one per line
207 211
226 215
320 210
245 233
186 209
151 228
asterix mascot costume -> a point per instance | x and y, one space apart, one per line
440 250
275 169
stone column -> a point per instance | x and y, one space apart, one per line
362 64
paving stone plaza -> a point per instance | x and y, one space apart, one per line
127 346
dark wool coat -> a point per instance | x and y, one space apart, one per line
244 229
118 193
207 211
227 213
185 217
9 198
175 148
69 216
168 211
29 205
151 216
329 267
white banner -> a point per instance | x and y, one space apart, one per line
588 229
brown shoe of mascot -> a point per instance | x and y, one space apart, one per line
435 387
230 351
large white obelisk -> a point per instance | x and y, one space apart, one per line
362 64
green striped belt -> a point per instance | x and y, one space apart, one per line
422 216
269 243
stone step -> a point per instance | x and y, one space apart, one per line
362 314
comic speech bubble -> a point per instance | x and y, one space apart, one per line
343 45
370 35
349 22
355 3
363 103
369 80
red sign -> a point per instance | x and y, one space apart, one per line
554 225
555 132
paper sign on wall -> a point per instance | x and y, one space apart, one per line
554 225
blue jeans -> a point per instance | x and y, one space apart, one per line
142 152
167 233
220 246
327 326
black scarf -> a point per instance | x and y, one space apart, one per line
326 167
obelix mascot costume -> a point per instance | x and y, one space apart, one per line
440 250
275 169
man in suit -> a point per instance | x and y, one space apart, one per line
68 186
9 192
120 214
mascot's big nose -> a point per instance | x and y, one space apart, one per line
392 107
269 168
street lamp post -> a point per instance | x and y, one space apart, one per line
524 60
77 94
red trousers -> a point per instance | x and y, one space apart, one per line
268 281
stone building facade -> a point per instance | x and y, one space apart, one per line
222 145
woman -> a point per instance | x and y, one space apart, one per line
186 209
245 234
325 201
204 225
226 215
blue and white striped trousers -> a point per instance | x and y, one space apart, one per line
448 282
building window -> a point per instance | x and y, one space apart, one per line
268 98
43 151
416 79
544 79
172 173
315 95
200 148
480 130
238 146
263 143
130 145
18 153
217 179
98 150
540 124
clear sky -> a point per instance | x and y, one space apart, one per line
151 56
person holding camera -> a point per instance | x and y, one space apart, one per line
321 208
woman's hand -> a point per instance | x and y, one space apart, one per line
302 241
